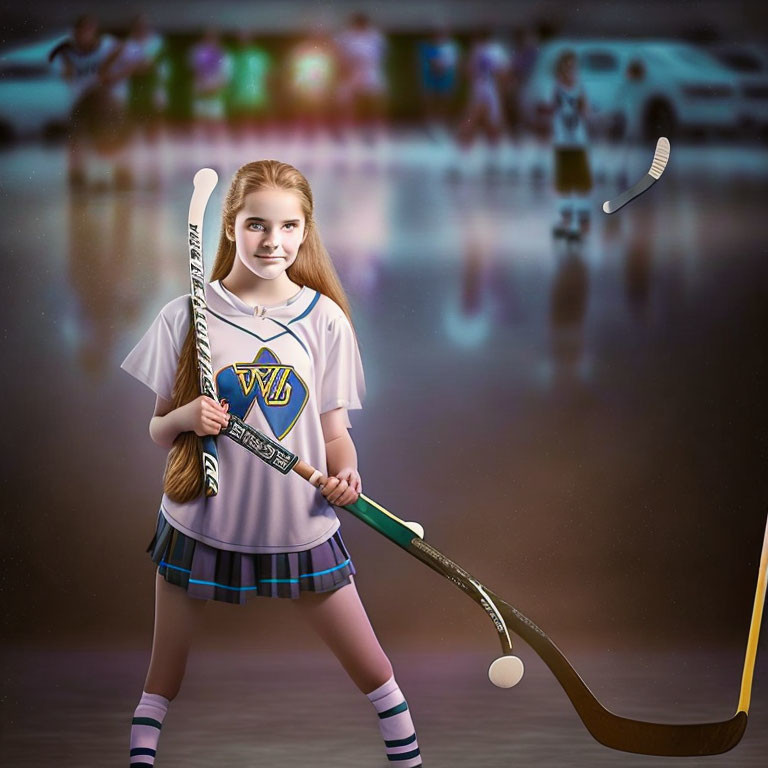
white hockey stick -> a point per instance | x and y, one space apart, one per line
205 180
660 160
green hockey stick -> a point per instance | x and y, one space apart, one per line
612 730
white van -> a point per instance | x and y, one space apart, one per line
34 99
682 88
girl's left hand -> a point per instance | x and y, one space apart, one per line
343 488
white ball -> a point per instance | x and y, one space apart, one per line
506 671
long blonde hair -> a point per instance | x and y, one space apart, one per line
183 480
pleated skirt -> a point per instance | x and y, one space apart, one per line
208 573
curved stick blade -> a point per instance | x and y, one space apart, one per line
660 157
660 160
614 731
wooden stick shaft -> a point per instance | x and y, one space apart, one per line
307 471
754 629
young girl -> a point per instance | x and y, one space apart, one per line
573 180
287 362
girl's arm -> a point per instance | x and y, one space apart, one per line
203 416
344 484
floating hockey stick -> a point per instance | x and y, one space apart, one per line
660 160
608 728
205 180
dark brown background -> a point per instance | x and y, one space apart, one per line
598 457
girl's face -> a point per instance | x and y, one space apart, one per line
268 231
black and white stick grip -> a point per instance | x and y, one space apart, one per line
258 443
204 183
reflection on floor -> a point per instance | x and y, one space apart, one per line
581 425
73 708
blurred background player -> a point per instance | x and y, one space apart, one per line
524 53
438 65
362 87
311 69
249 89
139 75
488 69
211 71
97 121
632 129
573 179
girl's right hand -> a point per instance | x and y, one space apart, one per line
204 416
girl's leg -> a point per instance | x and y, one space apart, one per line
76 162
176 618
341 621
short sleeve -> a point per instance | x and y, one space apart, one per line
342 382
153 361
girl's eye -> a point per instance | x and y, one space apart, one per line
258 224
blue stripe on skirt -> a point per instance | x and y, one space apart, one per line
209 573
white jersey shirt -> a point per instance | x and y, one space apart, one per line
568 124
85 65
363 54
488 61
279 368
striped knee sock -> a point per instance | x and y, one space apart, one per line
396 725
145 728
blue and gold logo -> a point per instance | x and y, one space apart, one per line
278 389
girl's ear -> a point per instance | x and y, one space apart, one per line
230 234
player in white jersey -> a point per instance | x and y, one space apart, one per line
362 88
137 75
573 179
97 121
140 72
286 361
488 69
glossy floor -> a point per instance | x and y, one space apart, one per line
582 426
